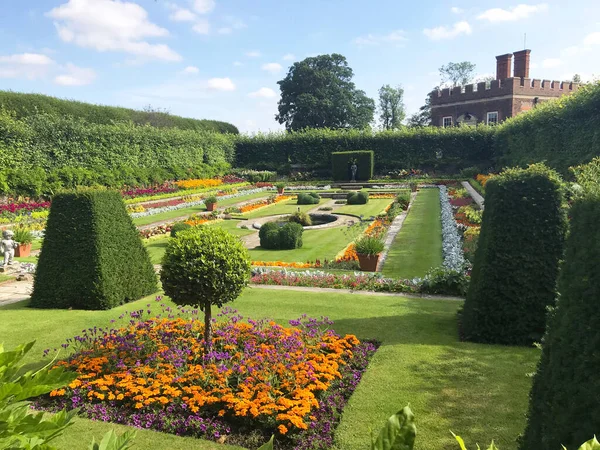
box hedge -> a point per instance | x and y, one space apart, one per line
516 264
277 236
308 198
92 256
357 198
341 163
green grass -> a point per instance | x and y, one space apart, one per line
477 391
193 209
418 245
372 208
281 208
4 277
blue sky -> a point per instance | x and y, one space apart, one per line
221 59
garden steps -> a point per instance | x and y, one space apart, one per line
476 196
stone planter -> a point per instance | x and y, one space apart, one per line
211 206
23 250
368 263
280 191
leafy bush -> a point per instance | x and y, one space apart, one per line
256 176
269 235
277 236
342 162
23 235
210 199
92 256
178 227
357 198
308 198
516 265
301 217
441 280
202 267
369 245
403 199
564 406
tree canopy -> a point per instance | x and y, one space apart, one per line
391 107
457 74
318 92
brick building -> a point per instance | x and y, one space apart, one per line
494 102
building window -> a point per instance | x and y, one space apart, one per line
447 121
492 118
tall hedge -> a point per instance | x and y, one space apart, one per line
564 407
447 149
341 165
25 105
516 264
562 133
92 256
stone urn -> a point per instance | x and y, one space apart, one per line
23 250
211 206
368 263
280 191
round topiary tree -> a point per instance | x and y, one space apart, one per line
202 267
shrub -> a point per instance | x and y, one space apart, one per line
445 281
302 218
516 265
23 235
92 256
178 227
280 186
211 199
342 162
403 199
290 236
369 245
358 198
269 235
308 198
564 406
202 267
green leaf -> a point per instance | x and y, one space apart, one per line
112 441
268 445
398 433
592 444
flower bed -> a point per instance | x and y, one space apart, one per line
198 183
451 240
149 191
265 202
155 373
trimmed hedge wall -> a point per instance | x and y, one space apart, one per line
92 256
564 407
341 163
516 264
448 149
25 105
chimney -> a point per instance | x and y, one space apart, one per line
522 64
503 63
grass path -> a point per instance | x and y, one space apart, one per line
418 245
372 208
478 391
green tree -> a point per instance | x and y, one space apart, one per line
391 107
318 92
576 78
457 74
423 117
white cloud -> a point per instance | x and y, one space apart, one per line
225 30
289 57
25 65
263 92
272 67
550 63
592 39
253 54
190 70
204 6
238 64
456 10
75 76
202 27
443 32
221 84
396 36
181 14
106 25
518 12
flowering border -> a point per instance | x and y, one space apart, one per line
452 250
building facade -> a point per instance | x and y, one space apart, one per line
495 101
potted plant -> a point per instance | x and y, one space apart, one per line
24 238
413 186
368 249
280 188
211 202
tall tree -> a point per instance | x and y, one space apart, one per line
576 78
423 117
391 107
457 74
318 92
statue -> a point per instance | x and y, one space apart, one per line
353 168
8 245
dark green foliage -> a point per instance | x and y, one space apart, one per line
444 281
92 256
516 265
298 217
308 198
179 226
563 133
25 105
358 198
403 199
442 149
277 236
564 407
341 162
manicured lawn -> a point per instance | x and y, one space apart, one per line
372 208
4 277
281 208
477 391
194 209
418 246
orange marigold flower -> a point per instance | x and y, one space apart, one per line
282 429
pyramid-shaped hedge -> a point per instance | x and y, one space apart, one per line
564 404
516 265
92 256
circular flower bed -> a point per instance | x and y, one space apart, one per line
258 377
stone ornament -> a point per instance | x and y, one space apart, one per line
353 169
8 246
